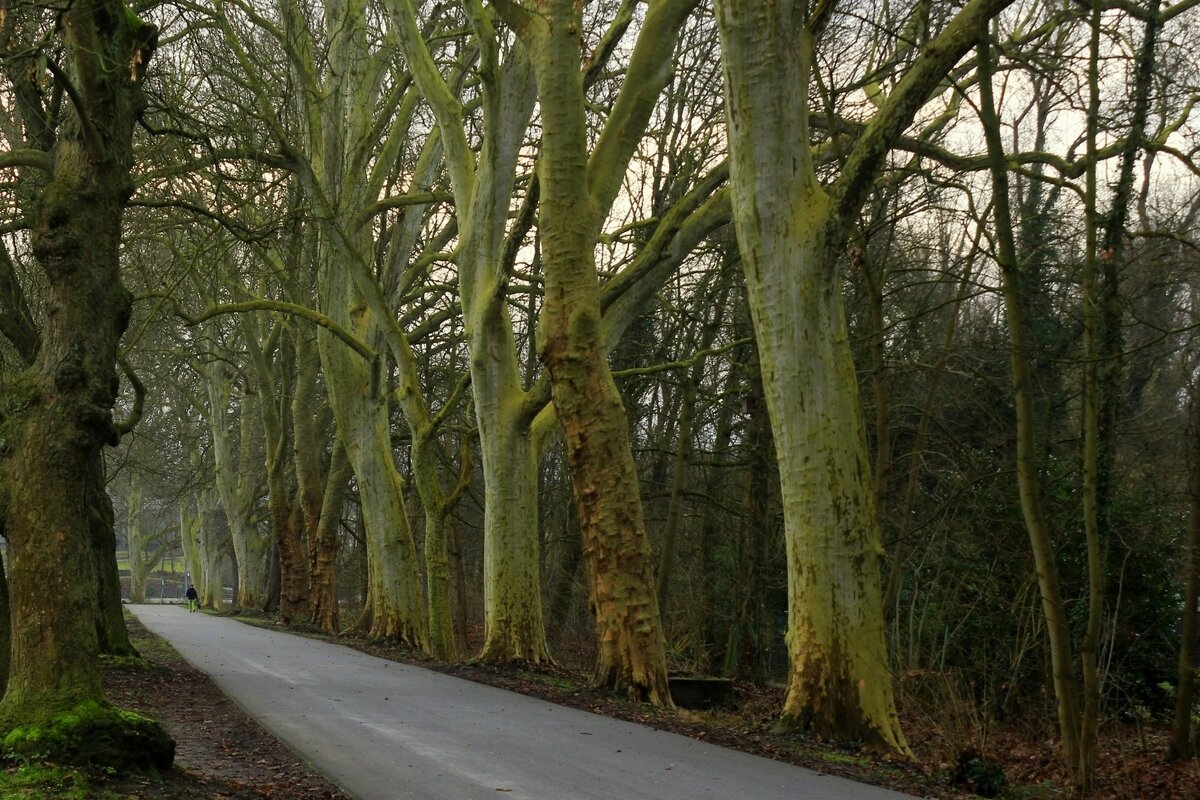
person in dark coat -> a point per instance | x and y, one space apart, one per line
192 597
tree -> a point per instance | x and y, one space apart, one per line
62 419
578 188
513 420
792 230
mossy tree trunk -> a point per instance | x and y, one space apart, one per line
276 380
343 165
483 187
578 186
393 580
236 477
206 542
110 627
792 231
320 495
135 540
56 442
17 323
512 419
216 550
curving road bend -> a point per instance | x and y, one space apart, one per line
389 731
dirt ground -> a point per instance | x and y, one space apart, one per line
222 753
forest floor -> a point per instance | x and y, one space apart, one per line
223 753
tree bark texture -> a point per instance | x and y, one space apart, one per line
394 584
235 477
483 189
135 540
67 398
276 382
512 603
839 685
631 650
114 636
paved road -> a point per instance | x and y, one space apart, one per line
386 731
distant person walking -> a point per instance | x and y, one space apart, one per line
192 597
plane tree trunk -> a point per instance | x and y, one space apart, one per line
579 184
792 231
55 440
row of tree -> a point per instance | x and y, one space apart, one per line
391 257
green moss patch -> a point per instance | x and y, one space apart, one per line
93 734
39 780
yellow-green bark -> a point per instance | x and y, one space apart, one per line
483 189
275 413
135 539
235 474
792 231
320 496
631 654
341 169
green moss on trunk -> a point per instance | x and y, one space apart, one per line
90 733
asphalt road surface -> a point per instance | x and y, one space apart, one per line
387 731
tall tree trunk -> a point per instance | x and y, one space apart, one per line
55 446
438 504
235 475
1182 744
323 542
839 684
512 603
111 630
289 561
631 651
317 491
1057 629
483 191
215 544
135 539
792 231
393 579
292 553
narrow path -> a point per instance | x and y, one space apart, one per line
389 731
